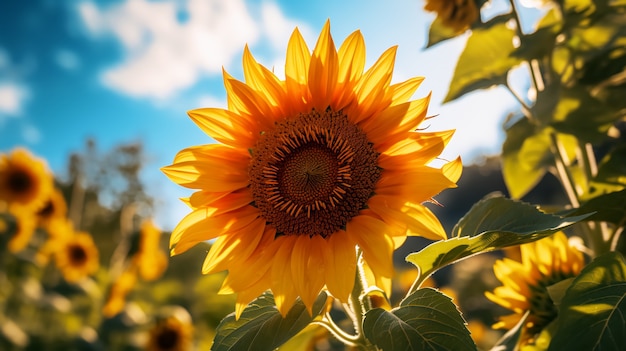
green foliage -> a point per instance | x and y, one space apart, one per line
261 326
438 33
485 61
591 315
493 223
425 320
607 208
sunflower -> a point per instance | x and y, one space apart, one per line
308 168
170 334
20 225
457 15
24 179
121 287
150 260
77 257
53 208
525 282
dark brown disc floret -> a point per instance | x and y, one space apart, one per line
311 174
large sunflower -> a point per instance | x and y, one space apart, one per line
525 283
24 179
308 168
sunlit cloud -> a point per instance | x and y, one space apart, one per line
12 99
170 46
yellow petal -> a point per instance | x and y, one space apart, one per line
371 235
340 265
307 268
452 170
282 284
351 56
297 64
200 225
235 246
402 92
264 81
195 168
322 76
371 89
226 127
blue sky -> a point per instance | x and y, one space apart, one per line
123 71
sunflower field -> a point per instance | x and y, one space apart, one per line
321 217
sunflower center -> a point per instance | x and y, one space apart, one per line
78 255
311 174
167 339
19 182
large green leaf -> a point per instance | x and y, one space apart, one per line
425 320
492 223
261 327
485 61
593 311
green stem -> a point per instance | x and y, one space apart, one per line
328 323
360 304
562 171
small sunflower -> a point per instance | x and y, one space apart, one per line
150 260
455 14
53 208
170 334
24 180
77 257
308 168
21 225
543 263
118 291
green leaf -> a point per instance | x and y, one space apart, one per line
492 223
580 114
438 32
608 208
520 176
591 315
425 320
510 340
611 175
484 62
527 154
261 326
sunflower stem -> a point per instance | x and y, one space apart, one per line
360 304
341 335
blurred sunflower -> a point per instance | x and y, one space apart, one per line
457 15
308 168
78 257
53 208
170 334
150 260
24 180
525 283
121 287
22 228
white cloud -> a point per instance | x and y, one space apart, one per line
12 98
164 54
31 134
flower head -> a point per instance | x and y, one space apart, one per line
24 180
150 259
22 228
455 14
171 333
54 208
308 168
77 257
525 283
